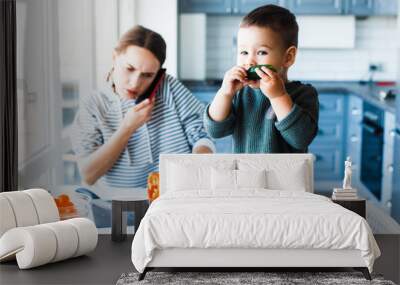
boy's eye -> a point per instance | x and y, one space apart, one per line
130 68
262 52
243 52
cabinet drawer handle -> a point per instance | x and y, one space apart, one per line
318 157
371 116
320 132
355 112
372 129
354 138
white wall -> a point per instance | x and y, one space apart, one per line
77 53
105 38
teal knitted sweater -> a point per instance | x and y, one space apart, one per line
254 125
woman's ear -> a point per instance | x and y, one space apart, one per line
290 56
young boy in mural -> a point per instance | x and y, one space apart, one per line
257 104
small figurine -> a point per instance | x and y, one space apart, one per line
347 174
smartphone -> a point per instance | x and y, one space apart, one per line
153 88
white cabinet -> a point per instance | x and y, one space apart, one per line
39 94
162 17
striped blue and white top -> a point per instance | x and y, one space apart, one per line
175 126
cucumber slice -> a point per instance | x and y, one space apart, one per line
251 72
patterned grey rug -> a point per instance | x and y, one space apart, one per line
229 278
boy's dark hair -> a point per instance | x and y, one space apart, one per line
277 18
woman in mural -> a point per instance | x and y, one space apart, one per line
119 134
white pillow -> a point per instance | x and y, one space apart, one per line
187 175
251 178
226 179
223 179
292 175
296 181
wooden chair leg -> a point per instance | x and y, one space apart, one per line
364 271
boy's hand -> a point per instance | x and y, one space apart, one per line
234 80
271 84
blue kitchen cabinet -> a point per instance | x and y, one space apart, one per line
396 166
328 163
329 132
315 7
204 97
329 144
386 7
223 145
387 165
360 7
205 6
395 202
371 7
354 133
222 6
245 6
299 7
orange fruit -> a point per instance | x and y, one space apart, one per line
64 199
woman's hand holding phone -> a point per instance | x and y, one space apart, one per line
138 115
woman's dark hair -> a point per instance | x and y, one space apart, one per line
278 19
145 38
141 37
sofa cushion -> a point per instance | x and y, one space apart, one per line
7 216
40 244
27 208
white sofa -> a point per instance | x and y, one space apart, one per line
289 174
31 231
